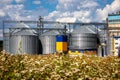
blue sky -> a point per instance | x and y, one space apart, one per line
57 10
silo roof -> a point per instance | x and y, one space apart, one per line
21 25
50 32
85 29
23 30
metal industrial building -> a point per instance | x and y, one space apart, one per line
22 40
83 37
41 37
114 32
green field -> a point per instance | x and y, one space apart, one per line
58 67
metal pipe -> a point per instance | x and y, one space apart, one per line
53 22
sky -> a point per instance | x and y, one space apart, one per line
57 10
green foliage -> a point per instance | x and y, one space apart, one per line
56 67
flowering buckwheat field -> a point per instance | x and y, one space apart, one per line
58 67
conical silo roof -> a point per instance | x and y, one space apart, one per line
85 29
21 29
50 32
21 25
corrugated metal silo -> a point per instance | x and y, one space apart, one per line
6 42
24 40
48 40
83 39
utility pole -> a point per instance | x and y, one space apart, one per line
40 24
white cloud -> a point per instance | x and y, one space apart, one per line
2 13
14 7
72 5
19 1
14 11
53 15
82 10
5 2
90 4
18 12
74 9
66 19
112 8
81 16
36 2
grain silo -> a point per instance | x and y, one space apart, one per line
23 40
48 40
84 40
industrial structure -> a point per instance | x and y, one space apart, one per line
84 38
114 32
22 40
46 37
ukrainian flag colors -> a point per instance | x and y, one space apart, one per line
61 43
61 46
61 38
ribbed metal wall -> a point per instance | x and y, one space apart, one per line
83 41
109 45
24 40
24 44
6 42
48 43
